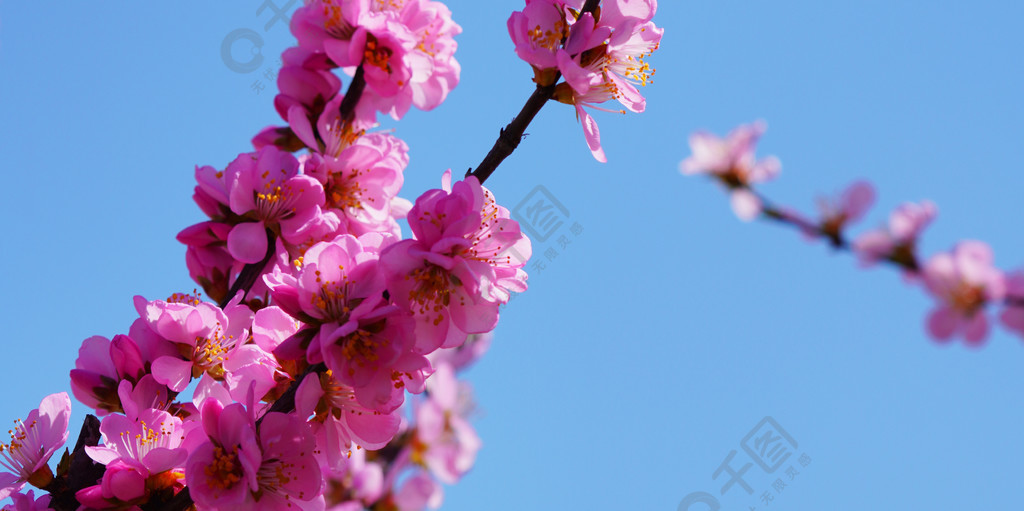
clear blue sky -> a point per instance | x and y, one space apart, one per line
654 342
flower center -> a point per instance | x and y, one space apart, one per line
140 444
432 292
967 298
13 456
376 55
345 192
225 471
276 200
388 5
187 299
210 353
333 300
339 135
335 23
361 347
548 38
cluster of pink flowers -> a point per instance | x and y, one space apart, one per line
964 281
323 372
601 54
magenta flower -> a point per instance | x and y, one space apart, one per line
306 84
206 339
358 485
731 160
435 72
417 493
849 207
460 267
100 367
122 486
142 454
362 180
364 340
265 187
964 281
33 442
445 441
1013 314
539 30
151 440
406 49
601 59
28 502
899 241
339 420
209 263
236 469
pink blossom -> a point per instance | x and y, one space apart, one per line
122 486
963 281
28 502
460 267
380 45
358 485
100 367
206 338
364 340
149 439
266 187
209 262
142 452
33 442
604 59
305 82
417 493
211 192
235 469
362 181
849 207
1013 314
445 441
406 49
339 420
538 31
142 395
899 241
327 134
731 160
435 72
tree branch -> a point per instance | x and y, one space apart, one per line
905 261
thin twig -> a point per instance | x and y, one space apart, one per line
906 261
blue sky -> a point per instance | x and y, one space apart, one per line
666 330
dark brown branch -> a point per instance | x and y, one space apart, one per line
511 135
180 502
352 95
80 471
